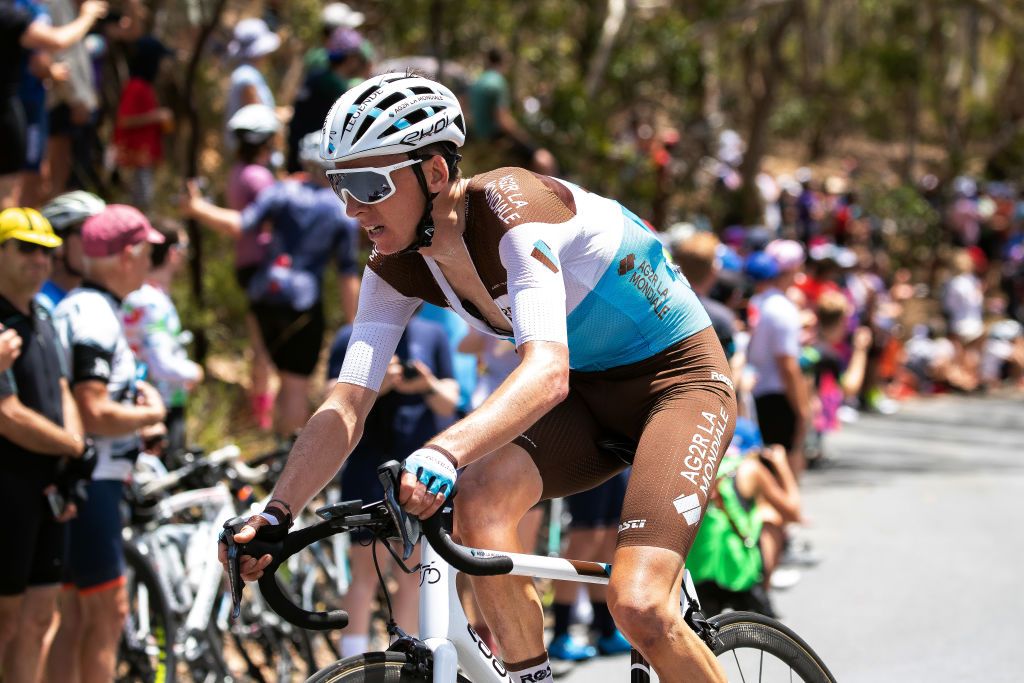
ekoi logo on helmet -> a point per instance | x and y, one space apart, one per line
414 137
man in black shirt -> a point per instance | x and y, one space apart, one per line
39 427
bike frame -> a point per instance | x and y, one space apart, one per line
444 629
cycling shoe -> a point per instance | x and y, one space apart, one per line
615 644
565 649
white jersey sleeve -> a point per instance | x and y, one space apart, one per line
380 320
536 290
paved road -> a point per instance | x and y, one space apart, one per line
919 522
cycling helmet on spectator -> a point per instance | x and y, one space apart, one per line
309 150
69 210
254 123
27 225
396 113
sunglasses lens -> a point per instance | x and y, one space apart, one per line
28 248
367 187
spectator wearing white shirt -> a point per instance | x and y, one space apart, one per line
780 391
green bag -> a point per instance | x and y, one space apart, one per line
726 550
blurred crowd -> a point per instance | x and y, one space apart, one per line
818 321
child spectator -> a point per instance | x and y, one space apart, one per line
141 121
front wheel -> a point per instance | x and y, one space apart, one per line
751 647
378 667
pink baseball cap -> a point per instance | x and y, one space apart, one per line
787 253
116 227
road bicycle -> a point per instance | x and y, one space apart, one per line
177 619
750 647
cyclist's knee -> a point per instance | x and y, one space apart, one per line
642 616
10 612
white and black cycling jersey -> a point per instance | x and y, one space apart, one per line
89 323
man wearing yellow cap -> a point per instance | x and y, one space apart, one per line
40 432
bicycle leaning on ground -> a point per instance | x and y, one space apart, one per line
750 646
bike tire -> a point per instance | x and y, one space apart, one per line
751 631
153 659
372 667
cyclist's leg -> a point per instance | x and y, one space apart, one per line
686 428
25 657
556 457
495 493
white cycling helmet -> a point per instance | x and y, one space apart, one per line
391 114
71 209
254 123
309 149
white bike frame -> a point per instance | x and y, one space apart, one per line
443 626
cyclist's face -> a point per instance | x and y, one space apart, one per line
25 270
391 223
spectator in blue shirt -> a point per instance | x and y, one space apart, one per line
307 225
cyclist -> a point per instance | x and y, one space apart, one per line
114 406
66 214
614 343
39 428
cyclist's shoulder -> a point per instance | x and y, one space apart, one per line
508 197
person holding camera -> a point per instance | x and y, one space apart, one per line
417 390
41 446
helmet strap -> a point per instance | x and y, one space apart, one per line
425 228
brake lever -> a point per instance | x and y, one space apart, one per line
227 537
408 526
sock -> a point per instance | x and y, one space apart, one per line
531 671
603 622
352 645
562 613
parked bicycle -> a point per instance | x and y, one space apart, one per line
750 647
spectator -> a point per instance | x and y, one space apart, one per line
114 406
66 214
251 44
740 538
418 389
592 533
492 121
39 429
10 348
255 126
20 32
696 257
836 379
308 223
963 299
780 393
141 121
39 70
333 16
154 334
347 60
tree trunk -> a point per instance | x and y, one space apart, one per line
192 168
763 76
613 22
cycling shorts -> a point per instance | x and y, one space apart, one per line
678 407
96 556
599 507
33 538
293 338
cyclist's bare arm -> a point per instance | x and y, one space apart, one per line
324 443
538 384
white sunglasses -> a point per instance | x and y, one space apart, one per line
367 185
